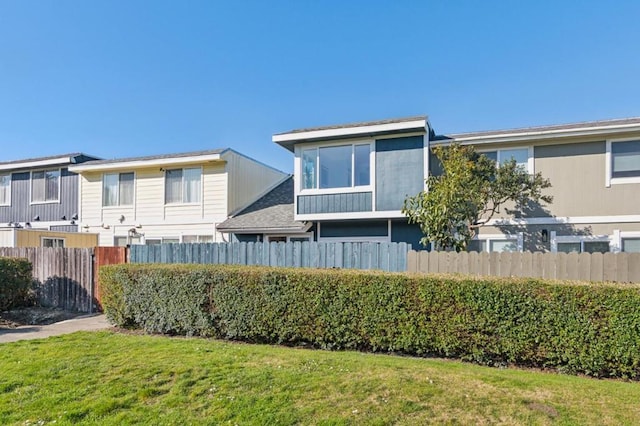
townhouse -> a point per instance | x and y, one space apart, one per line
169 198
350 182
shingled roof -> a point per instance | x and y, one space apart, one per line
271 213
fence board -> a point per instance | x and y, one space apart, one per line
620 267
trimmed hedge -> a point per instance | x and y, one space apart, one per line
577 328
15 282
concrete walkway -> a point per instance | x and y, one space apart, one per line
28 332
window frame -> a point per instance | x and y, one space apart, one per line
306 235
609 179
530 155
42 240
8 201
341 190
119 204
45 201
489 238
182 202
555 239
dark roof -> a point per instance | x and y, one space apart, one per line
272 212
359 124
73 158
570 126
157 157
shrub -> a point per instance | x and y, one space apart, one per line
15 282
591 329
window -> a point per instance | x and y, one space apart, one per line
289 238
45 186
631 245
343 166
182 186
197 239
499 243
117 189
521 155
5 190
625 159
52 242
124 241
584 247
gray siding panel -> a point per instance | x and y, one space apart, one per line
399 171
21 209
335 203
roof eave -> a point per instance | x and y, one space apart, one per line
56 161
137 164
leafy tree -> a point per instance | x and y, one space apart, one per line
470 191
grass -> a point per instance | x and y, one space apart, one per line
110 378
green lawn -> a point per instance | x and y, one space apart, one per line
110 378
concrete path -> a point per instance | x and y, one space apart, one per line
28 332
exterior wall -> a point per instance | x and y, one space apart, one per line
149 214
335 203
403 232
33 238
399 171
248 180
22 210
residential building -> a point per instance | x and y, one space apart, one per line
350 182
40 193
169 198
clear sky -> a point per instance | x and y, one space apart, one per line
131 78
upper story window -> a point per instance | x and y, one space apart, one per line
5 190
183 186
521 155
343 166
117 189
45 186
625 159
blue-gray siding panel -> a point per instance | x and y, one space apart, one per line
335 203
21 209
403 232
399 171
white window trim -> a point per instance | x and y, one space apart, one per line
530 158
31 186
164 187
42 239
518 238
8 202
555 239
307 235
349 189
609 179
135 176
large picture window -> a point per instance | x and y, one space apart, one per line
625 159
117 189
45 186
5 190
343 166
183 186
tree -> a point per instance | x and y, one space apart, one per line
470 191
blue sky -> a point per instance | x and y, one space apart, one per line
130 78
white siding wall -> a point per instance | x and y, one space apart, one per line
248 180
7 238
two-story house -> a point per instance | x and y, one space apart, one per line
169 198
41 194
350 182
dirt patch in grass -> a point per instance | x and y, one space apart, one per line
34 316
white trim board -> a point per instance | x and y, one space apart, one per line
173 161
351 215
577 220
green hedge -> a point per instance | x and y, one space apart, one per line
577 328
15 282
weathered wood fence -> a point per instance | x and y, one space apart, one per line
384 256
65 277
618 267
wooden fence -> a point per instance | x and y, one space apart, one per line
384 256
618 267
63 277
